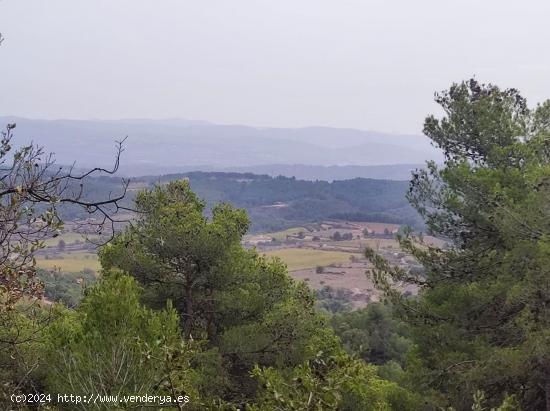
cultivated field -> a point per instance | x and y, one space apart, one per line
304 258
282 235
318 255
70 262
315 254
69 237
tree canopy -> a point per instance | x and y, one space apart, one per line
481 320
244 307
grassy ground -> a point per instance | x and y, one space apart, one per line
370 242
69 237
70 262
281 235
301 258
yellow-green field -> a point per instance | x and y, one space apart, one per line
371 242
71 262
281 235
303 258
69 238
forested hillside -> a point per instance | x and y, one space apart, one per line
275 203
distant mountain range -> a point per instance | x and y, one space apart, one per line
170 146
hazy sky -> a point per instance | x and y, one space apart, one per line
347 63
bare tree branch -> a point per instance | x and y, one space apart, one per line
32 188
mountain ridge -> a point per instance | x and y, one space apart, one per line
176 144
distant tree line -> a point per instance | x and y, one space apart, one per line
300 202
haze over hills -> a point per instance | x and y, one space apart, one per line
168 146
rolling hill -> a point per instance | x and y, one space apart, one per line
170 146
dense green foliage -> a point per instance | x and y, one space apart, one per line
333 300
373 334
112 345
21 351
482 319
66 288
335 382
244 308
